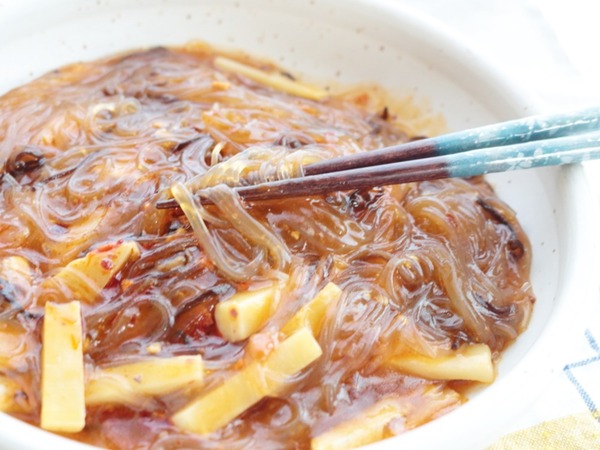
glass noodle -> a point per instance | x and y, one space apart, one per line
424 268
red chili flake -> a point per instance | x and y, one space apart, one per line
106 247
106 264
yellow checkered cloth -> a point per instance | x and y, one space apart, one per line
577 431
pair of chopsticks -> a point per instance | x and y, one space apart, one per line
537 141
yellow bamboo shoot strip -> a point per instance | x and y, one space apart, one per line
8 390
63 403
272 79
11 345
79 237
15 266
16 271
87 276
368 426
151 377
430 403
313 313
220 406
372 424
245 313
472 362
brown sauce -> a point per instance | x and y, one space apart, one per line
425 268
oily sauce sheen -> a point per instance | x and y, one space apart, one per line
425 268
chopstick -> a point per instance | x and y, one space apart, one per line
519 144
533 128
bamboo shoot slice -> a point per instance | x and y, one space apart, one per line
87 276
272 79
15 266
152 377
374 423
79 237
12 344
472 362
245 313
363 429
16 274
63 403
8 390
313 313
221 405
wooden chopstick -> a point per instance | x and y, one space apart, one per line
533 128
526 143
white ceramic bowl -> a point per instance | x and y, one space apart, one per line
351 41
